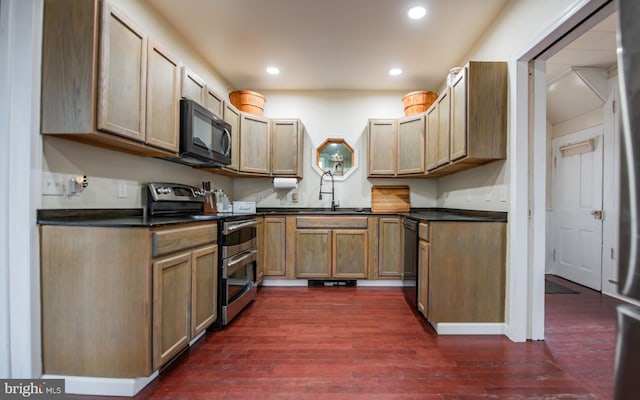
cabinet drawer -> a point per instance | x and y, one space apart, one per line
332 222
171 240
423 231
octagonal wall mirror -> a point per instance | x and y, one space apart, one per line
336 155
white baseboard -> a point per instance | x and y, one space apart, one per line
103 386
470 328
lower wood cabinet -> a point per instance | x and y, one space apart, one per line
390 247
274 255
185 300
204 288
466 271
332 247
171 307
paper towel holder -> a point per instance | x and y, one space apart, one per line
284 183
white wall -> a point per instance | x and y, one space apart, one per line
341 114
514 30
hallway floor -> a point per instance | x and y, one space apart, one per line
366 343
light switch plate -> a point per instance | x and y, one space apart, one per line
122 189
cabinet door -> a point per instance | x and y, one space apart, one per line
349 255
193 86
274 246
122 76
232 116
423 278
459 116
171 298
411 145
163 99
444 108
286 149
213 101
254 144
313 253
382 147
390 247
432 137
204 288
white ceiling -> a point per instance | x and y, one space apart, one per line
331 44
595 48
568 94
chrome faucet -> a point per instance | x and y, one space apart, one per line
333 192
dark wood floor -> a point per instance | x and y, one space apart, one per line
366 343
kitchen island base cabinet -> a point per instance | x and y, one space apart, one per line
466 272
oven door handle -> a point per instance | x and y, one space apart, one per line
234 227
237 261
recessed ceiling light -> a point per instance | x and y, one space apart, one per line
417 12
273 70
395 71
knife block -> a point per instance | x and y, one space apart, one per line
207 209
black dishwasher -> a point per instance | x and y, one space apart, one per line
410 231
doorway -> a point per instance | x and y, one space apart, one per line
535 63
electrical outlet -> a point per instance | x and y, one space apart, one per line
487 194
290 197
503 194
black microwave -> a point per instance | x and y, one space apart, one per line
205 139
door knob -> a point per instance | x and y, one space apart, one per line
597 214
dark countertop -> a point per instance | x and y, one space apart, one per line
119 217
420 214
446 214
135 217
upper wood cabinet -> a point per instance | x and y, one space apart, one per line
411 145
382 148
476 120
255 144
213 101
94 79
287 141
163 93
438 132
193 87
232 116
196 89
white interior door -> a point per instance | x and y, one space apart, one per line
577 207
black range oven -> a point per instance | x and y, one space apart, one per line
237 244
